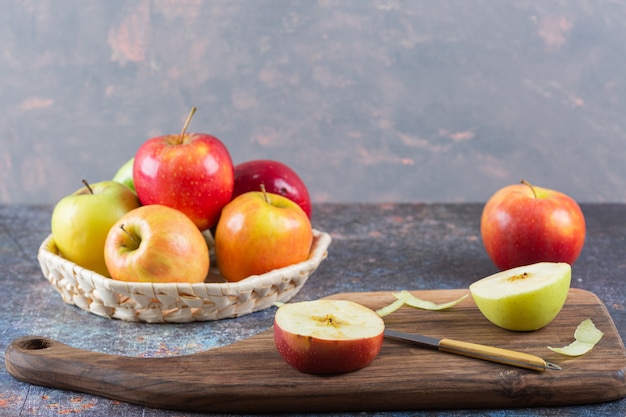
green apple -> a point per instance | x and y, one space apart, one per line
156 243
328 336
259 232
81 221
524 298
124 175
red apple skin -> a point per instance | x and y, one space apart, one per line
170 249
320 356
195 175
277 177
520 226
255 236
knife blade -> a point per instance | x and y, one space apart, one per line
473 350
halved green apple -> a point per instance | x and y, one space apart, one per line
524 298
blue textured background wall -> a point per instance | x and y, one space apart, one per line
368 100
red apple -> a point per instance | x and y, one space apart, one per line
522 224
259 232
156 243
191 172
81 221
277 177
328 336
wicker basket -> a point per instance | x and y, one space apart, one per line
175 302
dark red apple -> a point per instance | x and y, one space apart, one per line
277 177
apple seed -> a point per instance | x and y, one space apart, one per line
523 275
330 320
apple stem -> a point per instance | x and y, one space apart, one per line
87 185
265 196
132 237
531 187
186 125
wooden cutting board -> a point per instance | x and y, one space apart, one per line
250 377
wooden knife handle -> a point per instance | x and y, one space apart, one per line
493 354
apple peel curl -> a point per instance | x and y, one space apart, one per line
390 308
406 298
586 337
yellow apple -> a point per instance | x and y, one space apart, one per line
524 298
81 221
328 336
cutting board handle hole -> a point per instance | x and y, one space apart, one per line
36 343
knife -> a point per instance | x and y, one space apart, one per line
473 350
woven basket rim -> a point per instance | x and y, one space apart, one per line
319 247
176 302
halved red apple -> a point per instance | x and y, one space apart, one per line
328 336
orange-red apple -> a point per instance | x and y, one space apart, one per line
328 336
523 224
191 172
156 243
259 232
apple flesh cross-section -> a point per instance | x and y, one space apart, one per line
328 336
524 298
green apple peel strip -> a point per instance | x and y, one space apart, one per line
416 302
586 336
390 308
405 297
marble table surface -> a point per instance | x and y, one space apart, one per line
375 247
